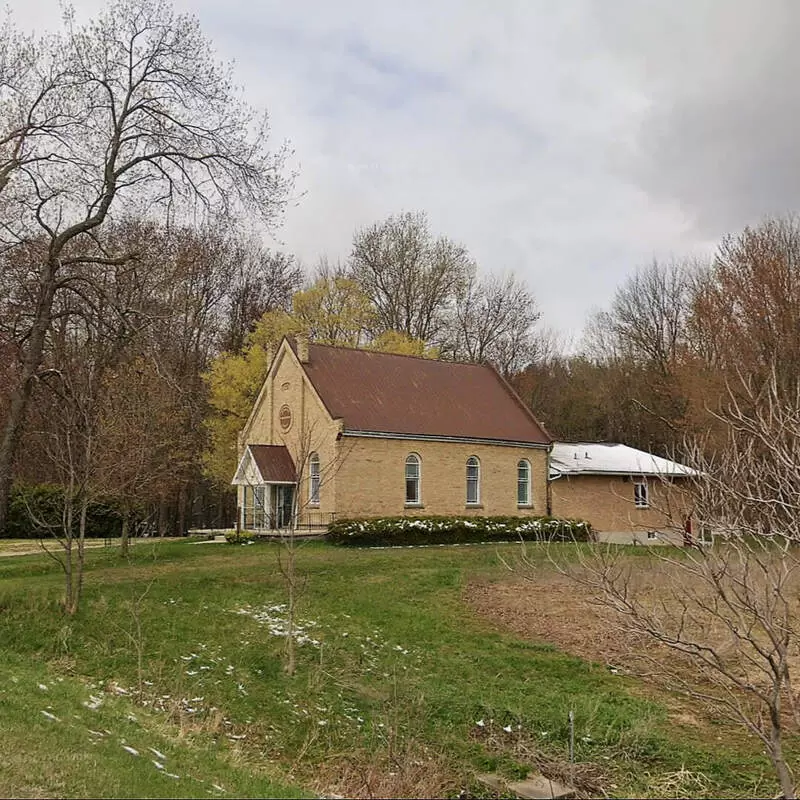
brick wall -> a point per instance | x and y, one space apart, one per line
371 478
608 503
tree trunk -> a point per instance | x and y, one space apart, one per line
162 517
182 502
21 395
289 644
125 533
69 588
78 582
782 771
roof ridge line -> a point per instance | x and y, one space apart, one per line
400 355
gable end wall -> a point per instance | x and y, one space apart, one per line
312 427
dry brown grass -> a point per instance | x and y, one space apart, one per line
557 610
414 771
589 779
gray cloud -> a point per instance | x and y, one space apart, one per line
719 137
568 142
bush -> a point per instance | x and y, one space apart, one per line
45 502
239 537
387 531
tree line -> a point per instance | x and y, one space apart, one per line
653 368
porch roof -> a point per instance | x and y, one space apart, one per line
265 463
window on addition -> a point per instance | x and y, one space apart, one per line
640 494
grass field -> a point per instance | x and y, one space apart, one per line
169 683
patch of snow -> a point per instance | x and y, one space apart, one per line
93 703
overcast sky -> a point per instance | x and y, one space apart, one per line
566 141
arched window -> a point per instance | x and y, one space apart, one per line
313 479
524 482
473 481
412 479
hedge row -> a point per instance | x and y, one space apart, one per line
36 511
387 531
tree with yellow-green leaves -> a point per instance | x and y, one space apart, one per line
402 344
335 310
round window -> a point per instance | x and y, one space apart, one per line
285 417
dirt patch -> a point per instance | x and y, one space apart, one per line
560 612
30 547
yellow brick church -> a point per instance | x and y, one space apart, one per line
342 433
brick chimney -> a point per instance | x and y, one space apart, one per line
301 340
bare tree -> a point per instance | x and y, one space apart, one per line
70 444
313 473
648 316
142 444
128 109
411 277
316 465
746 311
263 281
729 610
642 357
495 318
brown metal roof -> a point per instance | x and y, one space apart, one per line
274 463
388 393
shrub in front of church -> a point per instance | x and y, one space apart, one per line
240 537
405 531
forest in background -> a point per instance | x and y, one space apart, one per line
139 300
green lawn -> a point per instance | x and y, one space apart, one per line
394 676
